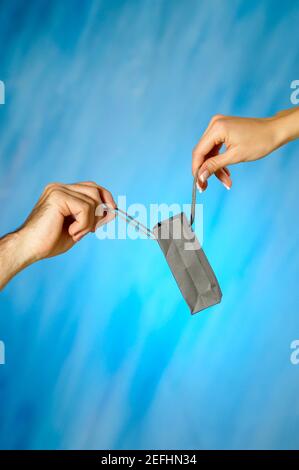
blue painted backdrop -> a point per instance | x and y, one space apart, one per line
101 351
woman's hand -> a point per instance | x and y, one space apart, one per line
245 139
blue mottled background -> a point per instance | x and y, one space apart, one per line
101 351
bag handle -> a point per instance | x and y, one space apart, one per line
131 220
193 203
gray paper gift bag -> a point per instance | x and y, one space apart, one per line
185 257
187 261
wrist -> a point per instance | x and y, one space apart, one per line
13 256
285 126
24 248
15 247
278 132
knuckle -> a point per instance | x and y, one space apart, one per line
219 125
53 190
51 186
216 117
91 183
54 194
211 166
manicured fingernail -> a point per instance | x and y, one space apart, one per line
204 176
222 170
199 188
227 187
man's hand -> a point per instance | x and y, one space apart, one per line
64 214
245 139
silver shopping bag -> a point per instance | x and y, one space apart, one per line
188 263
187 260
185 257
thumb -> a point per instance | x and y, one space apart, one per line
211 165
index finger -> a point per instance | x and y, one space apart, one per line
105 195
208 141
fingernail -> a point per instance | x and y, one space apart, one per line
227 187
199 188
204 176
